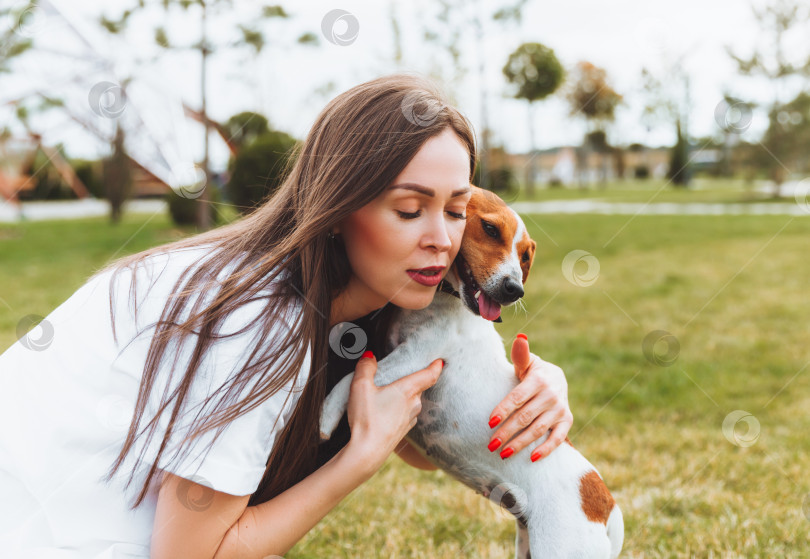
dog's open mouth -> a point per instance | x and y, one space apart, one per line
474 297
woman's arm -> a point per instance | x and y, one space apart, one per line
204 523
275 526
413 457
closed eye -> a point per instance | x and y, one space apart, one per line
414 215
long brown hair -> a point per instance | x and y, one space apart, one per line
358 145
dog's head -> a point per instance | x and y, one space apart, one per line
495 257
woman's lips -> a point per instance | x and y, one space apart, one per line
430 281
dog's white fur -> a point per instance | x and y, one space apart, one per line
547 497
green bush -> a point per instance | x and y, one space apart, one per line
90 173
257 170
184 210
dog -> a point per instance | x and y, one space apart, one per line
562 507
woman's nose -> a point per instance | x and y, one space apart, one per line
438 235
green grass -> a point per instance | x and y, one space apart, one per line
731 289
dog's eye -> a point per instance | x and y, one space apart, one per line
526 256
490 229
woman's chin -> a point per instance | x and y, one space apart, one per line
416 302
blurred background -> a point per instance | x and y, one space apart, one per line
657 152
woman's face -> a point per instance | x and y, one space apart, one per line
406 229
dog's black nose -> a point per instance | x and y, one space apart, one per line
511 290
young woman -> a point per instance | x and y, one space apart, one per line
170 407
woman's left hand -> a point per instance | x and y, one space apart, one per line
537 404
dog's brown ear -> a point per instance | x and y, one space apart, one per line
526 263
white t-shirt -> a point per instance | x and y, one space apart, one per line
66 400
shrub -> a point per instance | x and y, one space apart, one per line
256 171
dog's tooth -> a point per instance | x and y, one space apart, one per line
477 294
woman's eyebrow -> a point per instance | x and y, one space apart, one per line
428 191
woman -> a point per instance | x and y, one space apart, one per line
224 339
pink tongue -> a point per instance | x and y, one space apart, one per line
488 308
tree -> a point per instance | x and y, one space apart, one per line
537 73
250 36
781 64
446 30
591 97
117 174
14 42
257 170
788 134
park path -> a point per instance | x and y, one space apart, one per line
72 209
660 208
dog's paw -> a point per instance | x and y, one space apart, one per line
327 427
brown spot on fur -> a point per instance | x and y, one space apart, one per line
597 502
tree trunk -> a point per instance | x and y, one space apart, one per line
203 216
532 155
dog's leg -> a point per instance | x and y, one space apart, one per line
396 365
522 550
334 405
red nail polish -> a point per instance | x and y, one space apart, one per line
523 336
494 443
443 363
507 453
536 456
494 421
368 353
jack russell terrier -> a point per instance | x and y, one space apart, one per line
562 507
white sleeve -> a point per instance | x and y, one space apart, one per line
237 460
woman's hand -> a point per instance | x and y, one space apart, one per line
380 417
538 403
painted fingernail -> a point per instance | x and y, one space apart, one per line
536 456
443 363
494 421
507 452
495 443
368 353
523 336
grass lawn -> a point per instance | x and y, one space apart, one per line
732 291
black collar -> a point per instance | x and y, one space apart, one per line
445 287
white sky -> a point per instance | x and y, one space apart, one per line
283 82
